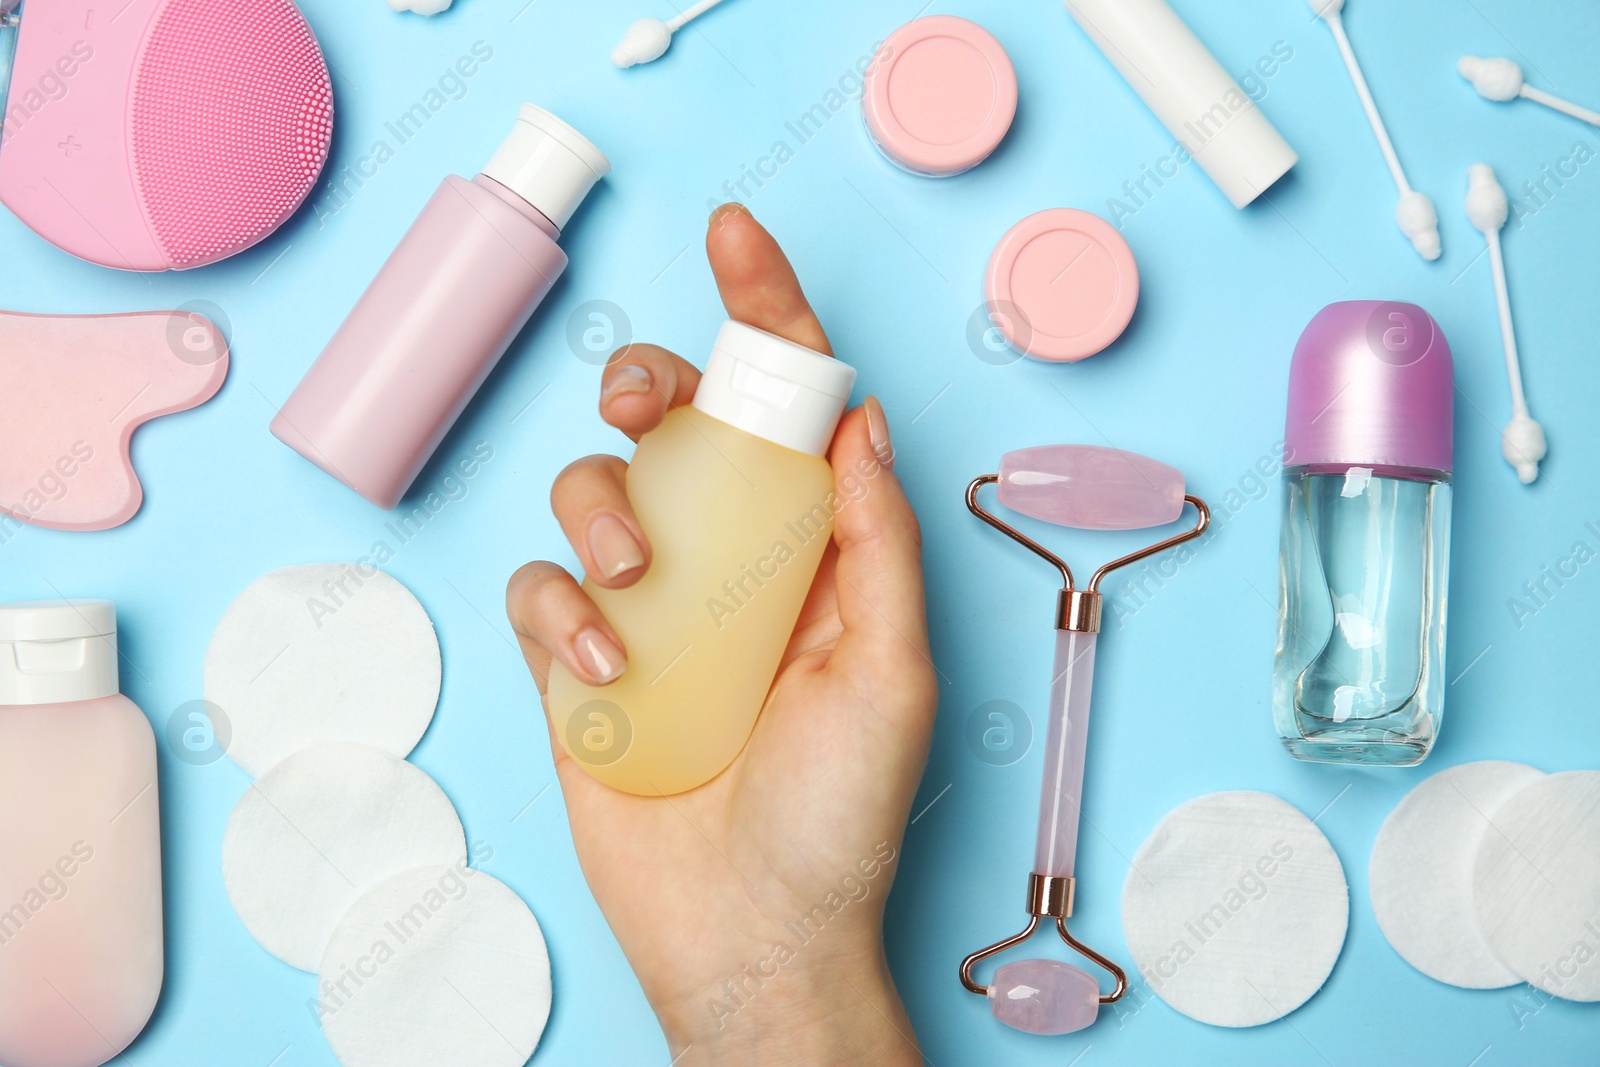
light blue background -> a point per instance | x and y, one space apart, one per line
894 265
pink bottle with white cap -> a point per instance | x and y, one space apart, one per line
452 297
80 846
1359 676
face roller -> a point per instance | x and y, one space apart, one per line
1088 488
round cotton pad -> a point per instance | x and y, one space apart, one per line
1235 909
439 965
1537 884
1422 866
318 830
323 653
940 96
1062 285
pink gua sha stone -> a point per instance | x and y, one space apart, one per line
1090 488
72 391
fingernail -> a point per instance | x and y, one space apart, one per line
599 656
613 546
878 432
628 378
726 211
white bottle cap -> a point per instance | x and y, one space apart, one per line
57 651
775 389
548 163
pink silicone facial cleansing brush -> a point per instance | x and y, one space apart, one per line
164 136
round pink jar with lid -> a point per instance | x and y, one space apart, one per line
1062 285
941 97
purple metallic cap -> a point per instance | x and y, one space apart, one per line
1372 384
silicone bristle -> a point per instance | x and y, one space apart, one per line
232 116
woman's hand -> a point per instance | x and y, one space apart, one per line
751 908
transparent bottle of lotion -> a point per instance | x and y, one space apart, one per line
1359 674
737 501
81 959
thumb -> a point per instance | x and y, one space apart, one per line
879 572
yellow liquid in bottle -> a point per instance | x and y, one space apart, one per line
737 527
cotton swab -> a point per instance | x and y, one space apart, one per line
1522 442
1415 213
1500 80
648 39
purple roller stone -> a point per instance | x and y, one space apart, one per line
1090 488
1044 996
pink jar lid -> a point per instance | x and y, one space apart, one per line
940 97
1062 285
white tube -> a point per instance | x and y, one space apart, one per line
1189 91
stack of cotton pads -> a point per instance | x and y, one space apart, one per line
1488 874
345 860
1235 909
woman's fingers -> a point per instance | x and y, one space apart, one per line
553 616
758 286
643 382
640 384
591 503
879 571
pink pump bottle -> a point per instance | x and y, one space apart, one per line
80 846
464 281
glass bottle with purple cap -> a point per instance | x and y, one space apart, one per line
1359 675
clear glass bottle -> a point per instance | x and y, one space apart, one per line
1359 675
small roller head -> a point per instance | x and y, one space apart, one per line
1090 488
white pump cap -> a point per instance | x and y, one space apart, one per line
775 389
57 651
549 164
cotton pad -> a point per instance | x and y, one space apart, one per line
1235 909
318 830
324 653
1537 884
1422 868
439 965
